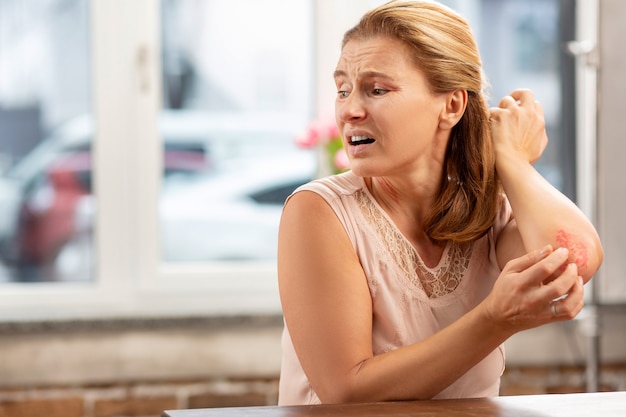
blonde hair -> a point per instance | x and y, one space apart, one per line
445 50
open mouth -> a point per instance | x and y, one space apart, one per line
361 140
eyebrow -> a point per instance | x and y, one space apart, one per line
366 74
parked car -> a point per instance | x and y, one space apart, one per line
42 196
232 214
46 214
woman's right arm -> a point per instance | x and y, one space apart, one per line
328 310
324 295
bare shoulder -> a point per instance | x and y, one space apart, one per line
315 254
305 205
310 227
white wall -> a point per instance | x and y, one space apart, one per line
611 189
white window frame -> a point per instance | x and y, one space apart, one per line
130 280
127 115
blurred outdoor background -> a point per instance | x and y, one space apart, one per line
147 147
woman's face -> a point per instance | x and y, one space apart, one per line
388 118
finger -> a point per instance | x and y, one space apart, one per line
495 114
539 108
523 96
540 271
561 285
568 307
531 258
507 101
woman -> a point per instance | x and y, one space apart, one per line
401 278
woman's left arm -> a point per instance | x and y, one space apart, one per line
543 215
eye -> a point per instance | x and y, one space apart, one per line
343 93
379 91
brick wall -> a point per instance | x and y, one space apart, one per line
141 368
137 400
150 399
559 379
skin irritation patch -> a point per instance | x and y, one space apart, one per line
577 251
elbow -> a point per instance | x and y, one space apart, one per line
343 387
340 392
585 250
588 260
350 389
336 396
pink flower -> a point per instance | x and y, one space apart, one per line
324 134
318 132
341 160
332 131
309 138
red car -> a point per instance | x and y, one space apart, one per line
48 209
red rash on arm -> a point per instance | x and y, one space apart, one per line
577 251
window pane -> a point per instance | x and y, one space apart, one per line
521 48
520 43
45 138
237 80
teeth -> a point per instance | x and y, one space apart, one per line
361 139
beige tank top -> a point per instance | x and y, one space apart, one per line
415 301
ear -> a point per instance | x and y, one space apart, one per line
456 102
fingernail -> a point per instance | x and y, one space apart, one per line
580 281
563 251
546 249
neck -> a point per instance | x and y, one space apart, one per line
412 200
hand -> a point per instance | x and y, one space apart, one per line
518 127
523 296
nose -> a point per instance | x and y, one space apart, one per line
350 108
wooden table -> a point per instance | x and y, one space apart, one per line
608 404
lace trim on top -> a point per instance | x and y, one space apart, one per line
434 282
